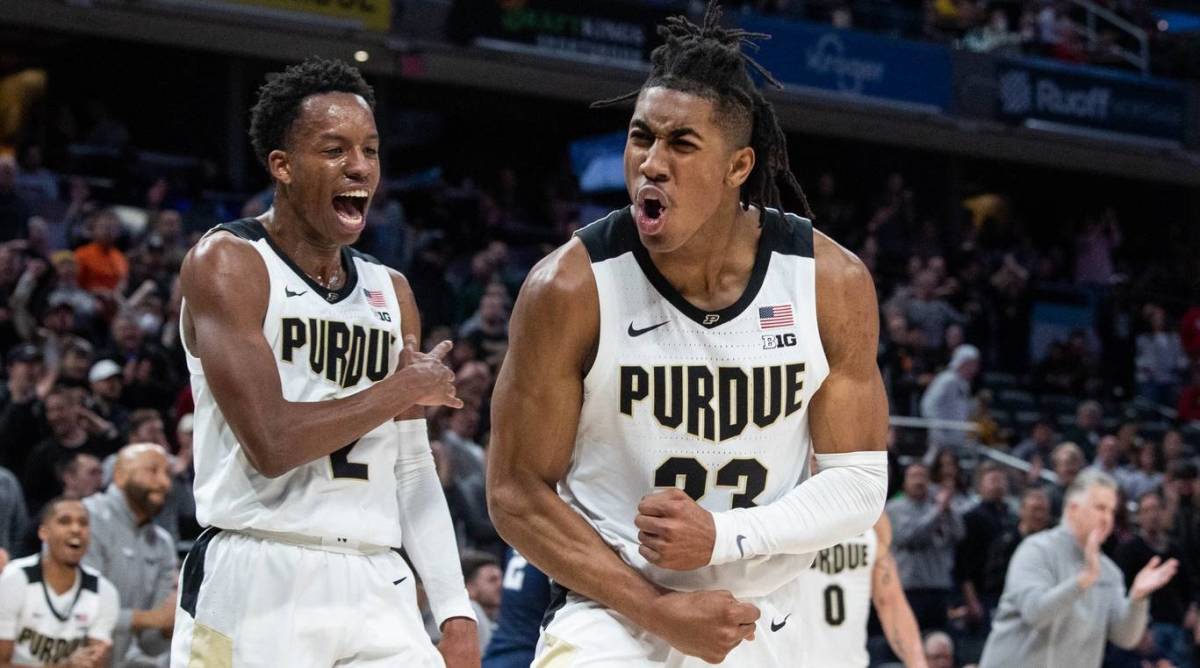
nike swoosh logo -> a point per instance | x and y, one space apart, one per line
741 551
400 580
776 626
633 331
294 294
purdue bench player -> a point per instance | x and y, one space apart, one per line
54 611
302 353
702 341
834 595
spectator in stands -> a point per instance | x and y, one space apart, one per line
73 429
487 329
1169 606
1095 244
20 425
1189 331
1032 516
928 312
926 532
84 304
949 397
81 475
106 383
13 515
1108 458
1067 461
939 650
483 578
1086 431
183 474
983 525
1064 598
1189 397
1148 476
1160 359
946 472
103 268
1173 449
14 210
75 364
135 554
34 182
1040 442
1182 503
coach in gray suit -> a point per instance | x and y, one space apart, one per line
1063 598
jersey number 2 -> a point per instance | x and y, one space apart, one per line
748 475
342 467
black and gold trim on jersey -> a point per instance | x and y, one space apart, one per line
252 229
616 234
88 582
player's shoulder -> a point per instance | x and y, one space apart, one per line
228 245
20 572
840 273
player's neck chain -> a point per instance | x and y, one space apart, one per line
332 282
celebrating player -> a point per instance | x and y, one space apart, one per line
302 352
698 342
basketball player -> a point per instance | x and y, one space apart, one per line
54 611
832 608
698 342
303 477
525 597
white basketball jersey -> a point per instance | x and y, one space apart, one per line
835 603
46 627
715 403
327 345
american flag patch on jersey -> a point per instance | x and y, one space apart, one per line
779 315
375 298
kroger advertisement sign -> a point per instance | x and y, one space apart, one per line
1091 98
854 63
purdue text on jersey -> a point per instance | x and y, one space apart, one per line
715 407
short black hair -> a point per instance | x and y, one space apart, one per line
47 512
280 97
708 60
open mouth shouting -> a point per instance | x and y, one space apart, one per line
651 209
351 208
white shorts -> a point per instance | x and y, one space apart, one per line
249 602
585 634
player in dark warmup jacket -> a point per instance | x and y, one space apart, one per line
522 607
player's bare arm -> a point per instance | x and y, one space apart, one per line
225 285
847 419
459 645
850 411
887 594
535 414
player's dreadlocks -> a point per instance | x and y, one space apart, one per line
280 97
707 60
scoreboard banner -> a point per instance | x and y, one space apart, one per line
609 32
853 63
1091 98
366 14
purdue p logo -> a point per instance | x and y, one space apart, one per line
711 319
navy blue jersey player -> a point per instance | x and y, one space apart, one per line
522 606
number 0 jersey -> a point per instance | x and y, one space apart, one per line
835 601
713 402
326 345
